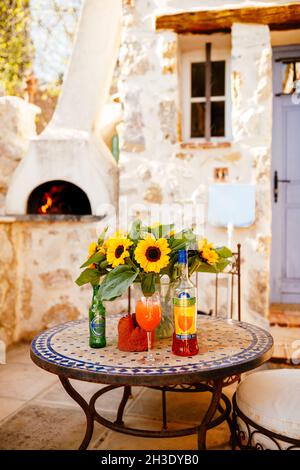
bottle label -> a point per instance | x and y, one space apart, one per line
185 317
98 325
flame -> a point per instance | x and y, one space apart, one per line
49 201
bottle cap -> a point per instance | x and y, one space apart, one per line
182 256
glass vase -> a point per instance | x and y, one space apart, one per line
166 326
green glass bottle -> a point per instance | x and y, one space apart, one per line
97 321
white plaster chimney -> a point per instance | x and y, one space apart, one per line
68 149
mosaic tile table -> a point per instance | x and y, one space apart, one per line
227 348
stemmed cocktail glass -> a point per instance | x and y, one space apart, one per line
148 316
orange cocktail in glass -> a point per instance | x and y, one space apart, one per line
148 316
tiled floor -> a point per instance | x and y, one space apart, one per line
36 413
285 315
287 344
285 328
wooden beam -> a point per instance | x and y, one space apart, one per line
280 17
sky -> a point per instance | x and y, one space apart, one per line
51 32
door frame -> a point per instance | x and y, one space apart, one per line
277 163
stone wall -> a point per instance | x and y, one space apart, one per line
40 259
39 263
157 167
17 125
252 133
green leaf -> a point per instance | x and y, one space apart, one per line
144 234
148 283
194 264
102 236
95 258
178 244
224 252
207 268
221 265
88 275
135 230
103 264
161 231
213 268
182 240
131 264
116 282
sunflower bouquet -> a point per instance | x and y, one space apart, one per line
144 255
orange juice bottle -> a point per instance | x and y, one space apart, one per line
185 312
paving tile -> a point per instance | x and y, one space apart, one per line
286 342
287 315
186 407
24 381
9 406
19 354
184 410
45 428
217 438
109 402
181 406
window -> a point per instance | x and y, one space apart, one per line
206 94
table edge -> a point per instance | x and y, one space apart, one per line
153 379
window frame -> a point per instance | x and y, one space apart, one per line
187 59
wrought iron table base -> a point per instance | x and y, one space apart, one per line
208 421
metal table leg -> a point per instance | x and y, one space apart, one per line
126 395
85 406
214 403
208 422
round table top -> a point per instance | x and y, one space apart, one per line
226 348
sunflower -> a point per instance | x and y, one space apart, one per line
156 225
211 256
207 251
117 250
92 249
152 255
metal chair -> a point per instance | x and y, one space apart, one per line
235 273
225 409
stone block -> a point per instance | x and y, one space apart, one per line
251 82
258 293
60 313
168 120
134 57
154 194
169 57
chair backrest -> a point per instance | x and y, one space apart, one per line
235 273
234 284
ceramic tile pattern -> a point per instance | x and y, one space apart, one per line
224 343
